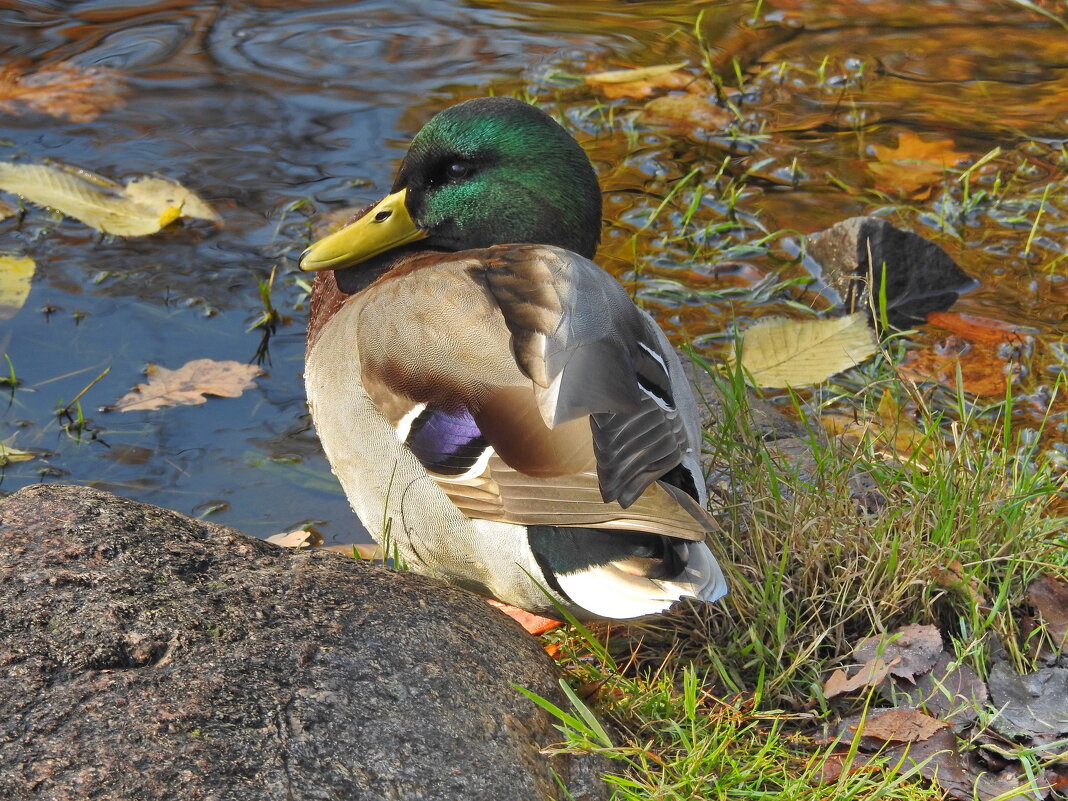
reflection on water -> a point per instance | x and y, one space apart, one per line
276 110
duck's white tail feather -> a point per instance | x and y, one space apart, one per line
612 591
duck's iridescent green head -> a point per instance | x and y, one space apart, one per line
486 172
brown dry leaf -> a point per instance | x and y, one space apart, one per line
893 433
685 113
7 210
914 164
1049 595
61 90
976 328
779 352
983 371
959 774
639 83
358 550
144 206
16 272
900 725
1032 705
909 650
297 539
188 385
871 673
952 578
950 691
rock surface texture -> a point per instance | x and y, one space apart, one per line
145 655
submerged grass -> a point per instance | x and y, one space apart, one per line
824 544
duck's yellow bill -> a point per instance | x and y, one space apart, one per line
384 227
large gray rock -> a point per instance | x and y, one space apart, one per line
145 655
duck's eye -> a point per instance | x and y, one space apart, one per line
457 170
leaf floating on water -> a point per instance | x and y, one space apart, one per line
780 352
685 113
188 385
984 371
16 273
141 207
9 453
914 164
63 90
639 83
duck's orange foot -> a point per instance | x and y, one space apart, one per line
532 623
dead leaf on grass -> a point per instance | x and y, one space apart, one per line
779 352
1049 595
188 385
16 273
1032 705
642 82
953 577
909 650
685 113
63 90
892 432
949 691
899 725
871 673
914 164
941 759
297 539
143 206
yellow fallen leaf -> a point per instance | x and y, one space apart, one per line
6 210
9 454
137 209
639 74
893 433
781 352
297 539
188 385
15 275
641 82
62 90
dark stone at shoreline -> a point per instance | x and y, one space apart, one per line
145 655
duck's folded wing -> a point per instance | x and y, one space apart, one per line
590 351
532 390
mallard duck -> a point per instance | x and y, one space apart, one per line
499 412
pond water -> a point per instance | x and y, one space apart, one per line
278 112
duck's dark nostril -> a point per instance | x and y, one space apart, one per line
383 215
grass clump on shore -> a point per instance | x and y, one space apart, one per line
825 543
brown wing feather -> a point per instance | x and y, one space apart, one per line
498 332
